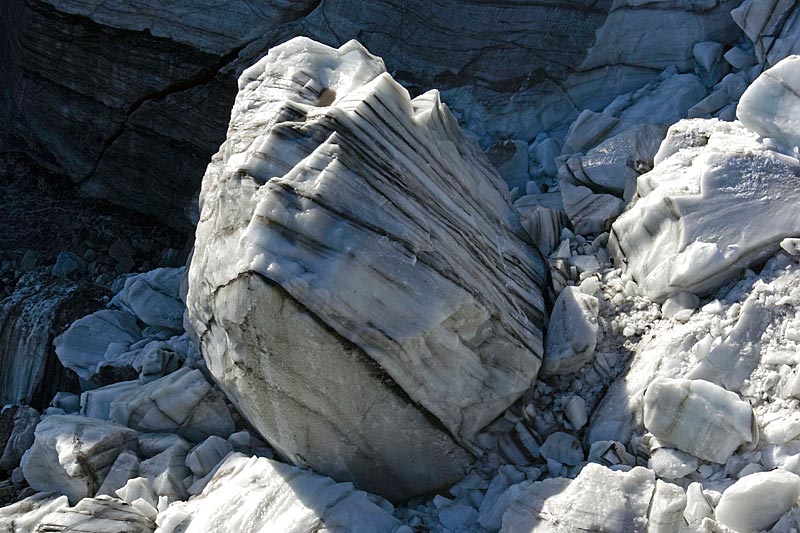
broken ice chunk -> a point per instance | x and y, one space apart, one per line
791 245
256 494
698 417
697 506
207 455
572 332
575 409
182 402
153 297
97 515
698 220
671 464
563 448
678 305
756 502
771 105
83 346
666 508
73 454
599 499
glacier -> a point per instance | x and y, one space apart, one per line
557 294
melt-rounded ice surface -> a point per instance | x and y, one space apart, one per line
757 501
771 104
698 417
250 495
700 216
358 267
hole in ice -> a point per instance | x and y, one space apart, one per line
326 97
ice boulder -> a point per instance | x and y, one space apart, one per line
594 185
757 501
182 402
572 332
699 219
82 348
72 454
599 499
771 105
698 417
254 494
361 287
154 297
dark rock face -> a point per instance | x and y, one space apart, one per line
30 372
116 102
131 102
79 94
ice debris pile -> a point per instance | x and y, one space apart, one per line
669 393
149 431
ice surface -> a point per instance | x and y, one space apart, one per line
698 417
72 454
698 221
771 105
572 332
250 495
756 502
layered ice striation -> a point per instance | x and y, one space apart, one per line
360 286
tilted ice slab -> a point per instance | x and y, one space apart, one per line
254 494
772 25
83 346
717 201
153 297
357 269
